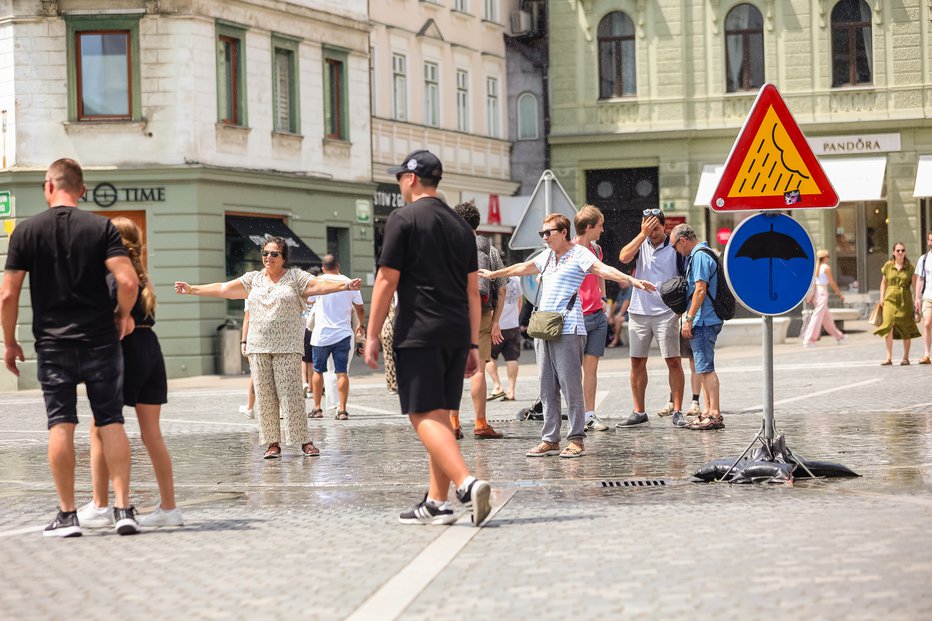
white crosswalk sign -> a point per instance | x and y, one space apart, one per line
548 197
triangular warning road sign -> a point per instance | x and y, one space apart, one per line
771 166
548 197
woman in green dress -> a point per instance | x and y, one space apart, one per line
897 299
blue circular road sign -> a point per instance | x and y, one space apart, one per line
769 263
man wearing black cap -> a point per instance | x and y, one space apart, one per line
429 256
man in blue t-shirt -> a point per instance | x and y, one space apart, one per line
700 323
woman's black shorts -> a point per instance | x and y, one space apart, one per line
144 379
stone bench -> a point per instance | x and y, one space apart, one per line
841 315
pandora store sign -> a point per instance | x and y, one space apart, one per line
858 143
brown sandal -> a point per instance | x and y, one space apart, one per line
707 423
342 415
273 452
310 450
316 413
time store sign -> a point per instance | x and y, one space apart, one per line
106 195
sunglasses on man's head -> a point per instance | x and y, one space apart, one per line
547 232
652 212
271 253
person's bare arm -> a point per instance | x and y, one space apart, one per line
326 286
9 312
386 281
630 249
831 281
518 269
699 294
497 315
127 289
610 273
245 332
918 285
473 363
230 290
361 314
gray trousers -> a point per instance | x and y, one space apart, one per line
559 367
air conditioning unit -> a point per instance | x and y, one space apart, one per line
520 23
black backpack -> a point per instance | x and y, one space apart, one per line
724 300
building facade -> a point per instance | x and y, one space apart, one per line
648 98
210 123
439 82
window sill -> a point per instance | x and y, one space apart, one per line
235 129
623 99
461 14
436 4
852 87
492 23
286 140
115 127
336 148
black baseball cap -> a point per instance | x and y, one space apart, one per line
423 164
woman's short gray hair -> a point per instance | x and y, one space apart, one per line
682 231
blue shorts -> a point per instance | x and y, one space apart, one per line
703 346
596 333
340 352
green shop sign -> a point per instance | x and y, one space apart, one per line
6 204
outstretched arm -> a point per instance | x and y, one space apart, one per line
610 273
518 269
231 290
325 286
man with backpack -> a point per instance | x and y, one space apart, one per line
701 323
492 297
923 296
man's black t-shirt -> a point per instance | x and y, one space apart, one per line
435 251
64 250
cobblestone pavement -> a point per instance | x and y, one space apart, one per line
319 539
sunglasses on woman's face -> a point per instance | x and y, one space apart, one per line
271 253
547 232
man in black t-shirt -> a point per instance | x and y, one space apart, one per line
429 256
68 253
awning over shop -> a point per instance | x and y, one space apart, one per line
257 230
856 178
923 187
711 174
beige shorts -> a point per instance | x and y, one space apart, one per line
926 308
643 328
485 336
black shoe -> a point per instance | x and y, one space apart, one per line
427 513
65 524
476 499
125 521
635 420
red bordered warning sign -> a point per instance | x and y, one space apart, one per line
771 166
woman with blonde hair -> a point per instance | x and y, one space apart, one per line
897 297
145 387
821 316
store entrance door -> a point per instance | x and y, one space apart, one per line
861 245
139 219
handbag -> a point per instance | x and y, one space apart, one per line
673 294
548 325
876 317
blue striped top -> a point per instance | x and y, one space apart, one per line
561 279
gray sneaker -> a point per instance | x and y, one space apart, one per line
635 420
679 420
594 424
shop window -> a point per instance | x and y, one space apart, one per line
231 75
616 56
462 100
285 85
528 121
431 94
103 68
861 245
338 244
491 106
852 46
335 95
744 48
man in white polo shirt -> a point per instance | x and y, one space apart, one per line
922 283
332 336
649 317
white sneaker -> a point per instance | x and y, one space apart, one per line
161 517
307 391
666 411
92 516
246 412
694 409
844 337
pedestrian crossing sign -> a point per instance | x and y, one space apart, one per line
771 166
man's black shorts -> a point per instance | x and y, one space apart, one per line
308 356
510 345
61 367
430 378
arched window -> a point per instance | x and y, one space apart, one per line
528 122
852 48
744 48
616 56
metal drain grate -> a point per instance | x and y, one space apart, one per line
635 483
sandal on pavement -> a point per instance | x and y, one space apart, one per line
273 452
310 450
495 395
486 433
507 398
925 360
544 449
904 362
458 433
316 413
707 424
886 363
342 415
575 449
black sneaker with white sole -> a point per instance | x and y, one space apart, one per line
476 499
125 521
428 513
635 420
65 524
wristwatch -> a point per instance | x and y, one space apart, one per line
688 318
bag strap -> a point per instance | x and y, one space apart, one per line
540 288
714 257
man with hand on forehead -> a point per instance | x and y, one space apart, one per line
649 318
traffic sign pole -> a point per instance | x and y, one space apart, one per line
767 333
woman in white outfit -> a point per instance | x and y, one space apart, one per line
821 315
